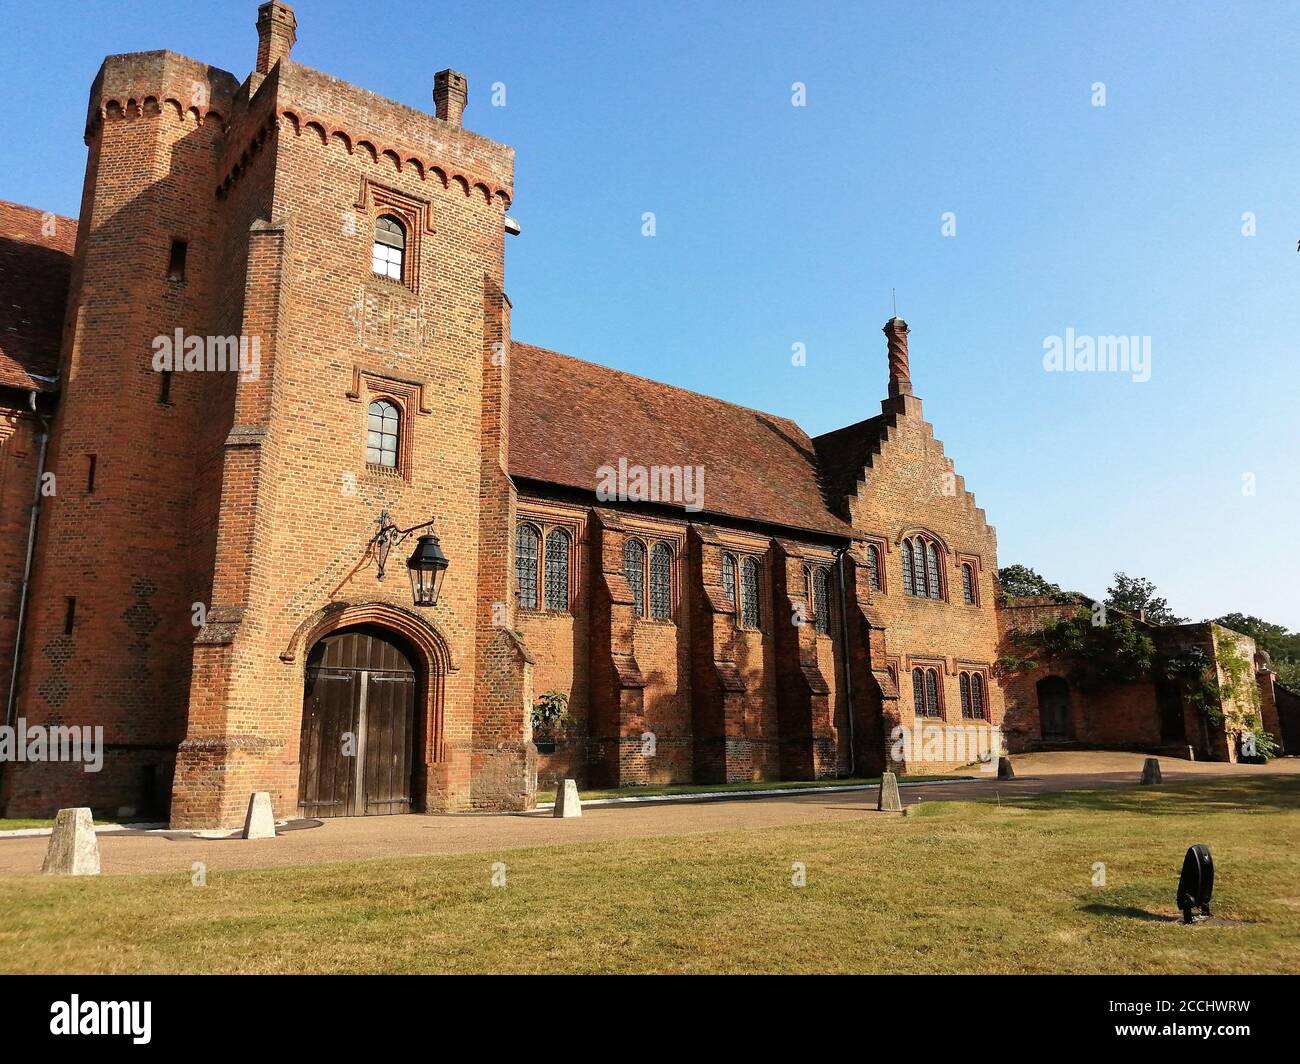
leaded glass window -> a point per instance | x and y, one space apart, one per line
932 571
750 614
873 567
729 579
967 585
557 570
661 582
526 566
821 588
909 583
634 570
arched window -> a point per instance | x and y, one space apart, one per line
661 582
557 570
383 428
634 570
972 695
526 566
925 692
873 567
389 252
821 589
968 583
922 573
750 614
729 579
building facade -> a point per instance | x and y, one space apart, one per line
278 327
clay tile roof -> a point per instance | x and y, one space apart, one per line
569 417
34 269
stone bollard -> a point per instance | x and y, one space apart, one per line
567 802
1151 771
889 801
1005 771
73 849
260 821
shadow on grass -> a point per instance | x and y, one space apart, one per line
1272 794
1130 912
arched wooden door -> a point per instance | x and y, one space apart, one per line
358 726
1054 708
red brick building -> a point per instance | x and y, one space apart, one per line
283 321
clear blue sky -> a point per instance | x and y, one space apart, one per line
779 225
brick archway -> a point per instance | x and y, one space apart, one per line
430 647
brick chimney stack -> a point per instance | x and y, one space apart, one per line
277 29
450 93
900 379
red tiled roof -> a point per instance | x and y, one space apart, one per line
35 264
568 418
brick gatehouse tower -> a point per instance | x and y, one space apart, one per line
280 325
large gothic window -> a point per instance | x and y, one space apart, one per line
925 692
922 571
557 570
526 566
750 614
634 570
661 582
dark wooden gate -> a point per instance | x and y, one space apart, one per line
358 727
1054 708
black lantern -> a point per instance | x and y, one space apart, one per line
427 565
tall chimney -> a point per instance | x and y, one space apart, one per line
900 379
450 93
277 29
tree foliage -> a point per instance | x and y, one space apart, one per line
1135 594
1022 581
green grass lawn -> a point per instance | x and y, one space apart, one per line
962 887
730 788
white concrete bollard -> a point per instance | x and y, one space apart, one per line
567 802
260 822
73 849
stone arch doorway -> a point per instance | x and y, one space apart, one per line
361 729
1054 713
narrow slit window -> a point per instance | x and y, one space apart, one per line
967 584
821 589
69 614
176 260
873 567
92 461
165 387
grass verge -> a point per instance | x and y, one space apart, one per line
963 887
